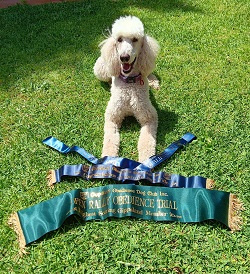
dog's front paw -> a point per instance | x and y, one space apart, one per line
153 82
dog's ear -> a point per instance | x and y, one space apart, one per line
110 56
148 54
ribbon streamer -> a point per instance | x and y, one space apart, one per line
119 161
184 205
168 152
127 175
131 173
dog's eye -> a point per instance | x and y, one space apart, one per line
134 40
119 39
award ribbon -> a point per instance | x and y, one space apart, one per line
168 152
124 200
127 175
119 161
124 169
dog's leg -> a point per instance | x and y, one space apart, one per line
111 139
147 139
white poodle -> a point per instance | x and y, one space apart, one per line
128 58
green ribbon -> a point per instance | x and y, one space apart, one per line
145 202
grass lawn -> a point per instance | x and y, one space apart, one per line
47 87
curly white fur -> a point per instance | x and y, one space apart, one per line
128 52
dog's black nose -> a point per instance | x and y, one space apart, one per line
125 58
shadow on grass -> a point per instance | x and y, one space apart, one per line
166 122
168 5
55 35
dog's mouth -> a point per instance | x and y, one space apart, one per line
127 67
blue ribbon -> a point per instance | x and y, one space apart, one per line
119 161
168 152
61 147
126 170
127 175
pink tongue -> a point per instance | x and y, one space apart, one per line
126 66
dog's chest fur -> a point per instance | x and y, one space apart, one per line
129 96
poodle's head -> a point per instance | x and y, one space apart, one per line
128 33
128 50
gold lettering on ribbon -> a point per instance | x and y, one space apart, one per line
146 199
166 204
150 193
98 203
163 193
175 216
123 190
128 210
143 193
99 194
114 168
156 214
84 195
105 212
80 202
84 214
133 200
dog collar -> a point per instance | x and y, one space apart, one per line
132 79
